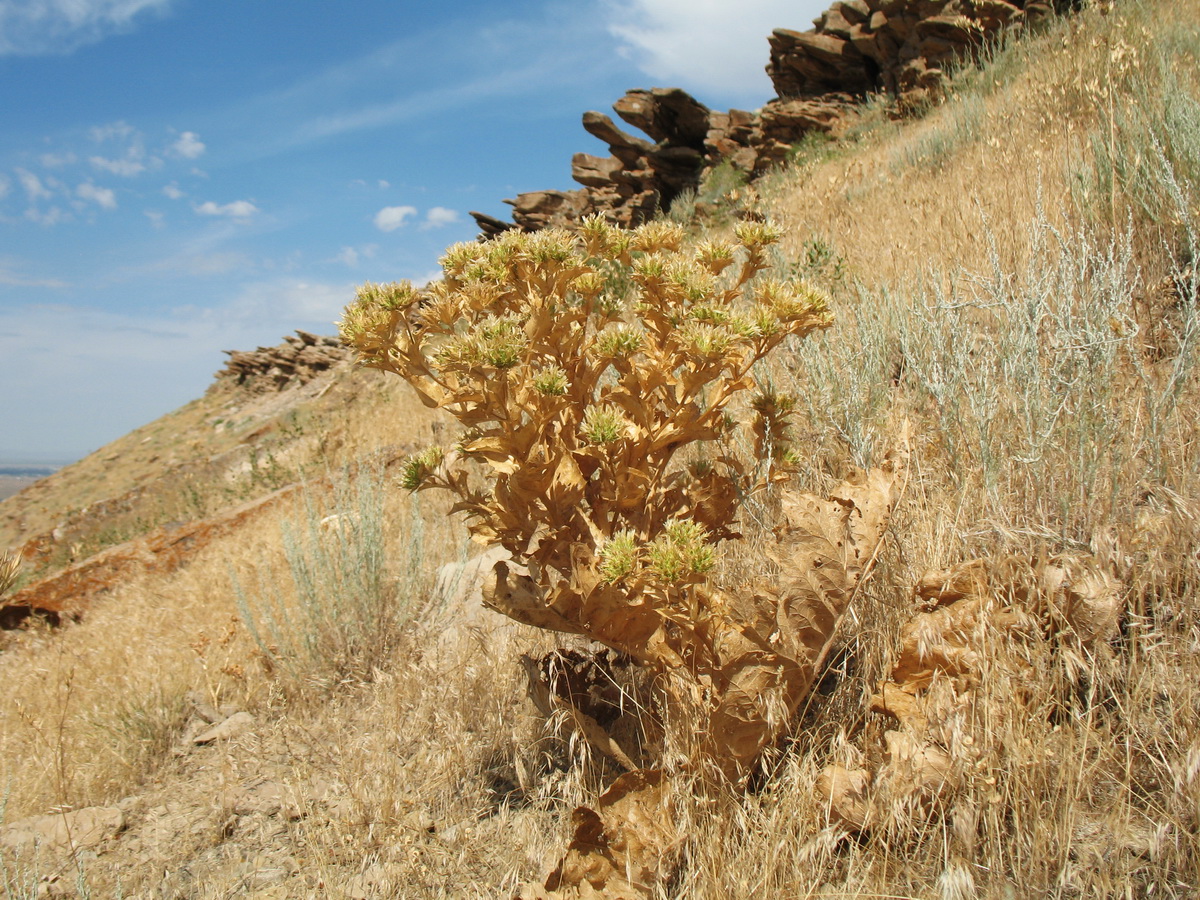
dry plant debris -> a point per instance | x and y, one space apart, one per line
9 565
581 367
975 617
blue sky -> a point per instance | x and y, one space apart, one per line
181 177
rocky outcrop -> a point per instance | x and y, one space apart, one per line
902 47
640 177
858 47
69 592
298 360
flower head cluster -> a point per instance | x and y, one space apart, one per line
580 364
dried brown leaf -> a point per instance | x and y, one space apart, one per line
845 795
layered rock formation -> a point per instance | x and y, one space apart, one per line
858 47
902 47
298 360
639 177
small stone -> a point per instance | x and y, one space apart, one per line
264 877
236 725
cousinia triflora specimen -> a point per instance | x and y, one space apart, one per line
595 375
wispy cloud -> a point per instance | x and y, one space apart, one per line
110 131
131 158
352 256
392 217
417 105
57 160
173 192
289 299
47 217
12 276
238 209
127 166
439 217
502 59
76 364
39 27
34 188
105 198
706 45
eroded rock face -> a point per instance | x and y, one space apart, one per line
899 46
298 360
857 47
638 177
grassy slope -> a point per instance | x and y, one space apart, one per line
226 448
983 293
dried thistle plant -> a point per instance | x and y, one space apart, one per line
577 396
578 400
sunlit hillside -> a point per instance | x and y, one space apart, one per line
299 706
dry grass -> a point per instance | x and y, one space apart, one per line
985 294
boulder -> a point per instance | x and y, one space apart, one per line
595 171
225 730
535 210
490 225
668 115
601 126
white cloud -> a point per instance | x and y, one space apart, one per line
127 166
131 160
438 217
51 216
238 209
104 197
352 256
706 45
56 160
111 131
392 217
34 189
156 218
189 145
172 191
290 300
37 27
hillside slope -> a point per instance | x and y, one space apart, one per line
271 419
287 715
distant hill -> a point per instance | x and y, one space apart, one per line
26 471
